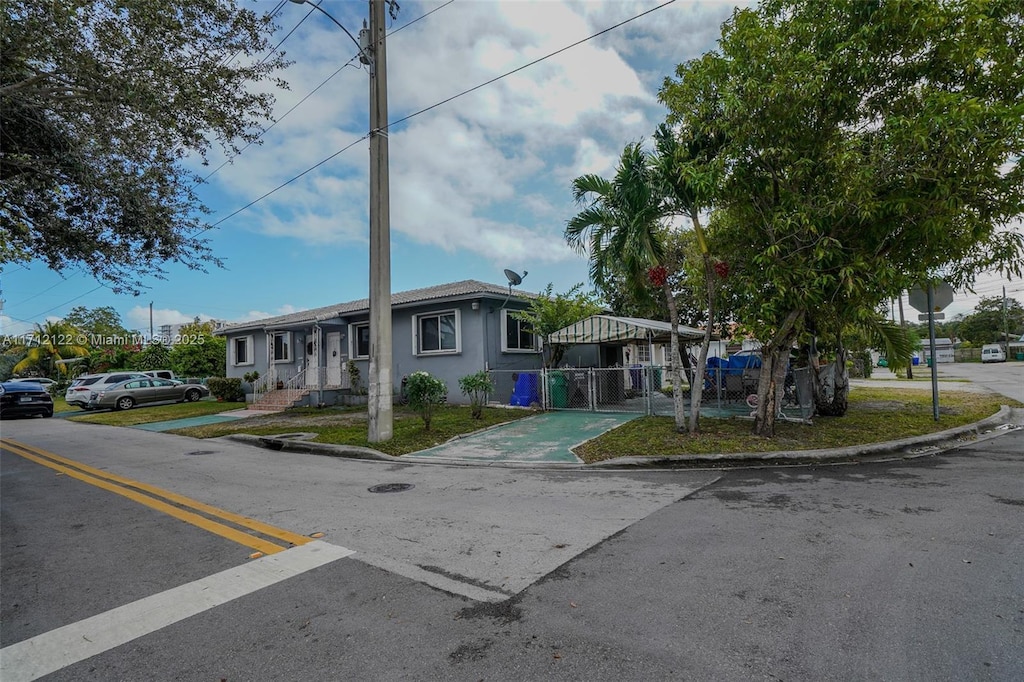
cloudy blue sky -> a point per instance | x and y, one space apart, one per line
479 184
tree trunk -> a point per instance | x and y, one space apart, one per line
679 408
832 386
697 386
770 388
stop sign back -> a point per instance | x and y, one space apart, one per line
942 297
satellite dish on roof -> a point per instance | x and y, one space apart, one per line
514 279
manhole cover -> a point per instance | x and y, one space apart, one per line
391 488
202 452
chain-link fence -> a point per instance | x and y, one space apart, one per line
644 390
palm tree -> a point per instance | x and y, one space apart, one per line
685 197
620 227
49 345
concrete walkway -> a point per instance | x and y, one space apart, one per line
546 437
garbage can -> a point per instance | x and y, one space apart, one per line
916 361
1020 356
558 389
657 379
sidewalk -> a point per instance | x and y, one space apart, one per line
883 376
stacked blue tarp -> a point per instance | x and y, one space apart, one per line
733 365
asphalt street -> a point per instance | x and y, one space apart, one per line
903 571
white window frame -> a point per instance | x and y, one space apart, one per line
416 331
353 341
286 344
642 349
505 318
249 347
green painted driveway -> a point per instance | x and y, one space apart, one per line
184 423
545 437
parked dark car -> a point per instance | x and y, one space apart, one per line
127 394
24 399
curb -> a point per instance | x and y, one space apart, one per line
294 444
938 442
930 444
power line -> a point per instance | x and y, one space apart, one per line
311 92
70 301
268 128
434 106
527 65
285 184
62 281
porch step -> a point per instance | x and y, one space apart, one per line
277 400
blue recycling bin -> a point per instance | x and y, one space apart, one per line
526 391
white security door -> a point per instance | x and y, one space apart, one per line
313 358
335 358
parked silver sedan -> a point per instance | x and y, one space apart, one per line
127 394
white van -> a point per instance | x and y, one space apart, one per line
992 352
160 374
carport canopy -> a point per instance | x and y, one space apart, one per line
610 329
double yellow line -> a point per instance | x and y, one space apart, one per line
180 507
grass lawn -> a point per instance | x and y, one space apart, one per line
348 426
157 413
875 415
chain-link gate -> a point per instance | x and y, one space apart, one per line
644 390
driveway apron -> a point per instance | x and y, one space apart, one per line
546 437
186 422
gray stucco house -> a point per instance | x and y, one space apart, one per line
449 330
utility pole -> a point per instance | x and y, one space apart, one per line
380 405
373 53
1006 328
151 321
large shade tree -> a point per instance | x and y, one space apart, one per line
102 100
865 146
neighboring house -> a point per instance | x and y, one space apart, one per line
450 330
1015 349
943 350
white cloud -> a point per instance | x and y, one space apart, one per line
458 172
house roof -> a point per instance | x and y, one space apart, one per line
468 288
609 329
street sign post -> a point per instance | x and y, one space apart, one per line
930 300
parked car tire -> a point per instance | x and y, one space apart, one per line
125 403
192 395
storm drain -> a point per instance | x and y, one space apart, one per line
391 488
202 452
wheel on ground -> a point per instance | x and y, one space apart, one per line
192 395
125 403
47 414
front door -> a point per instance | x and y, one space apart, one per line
335 358
313 359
